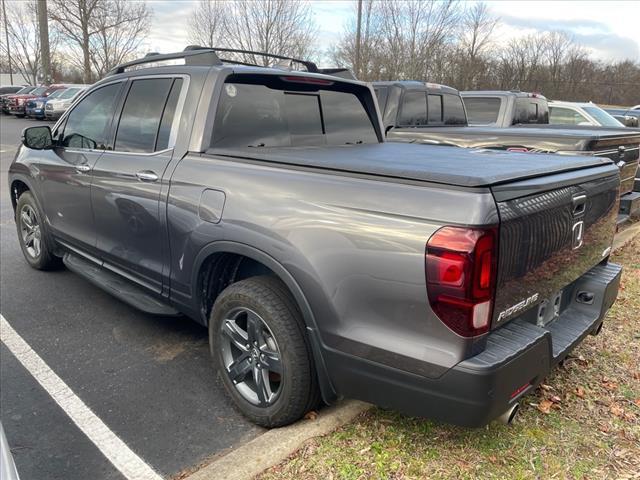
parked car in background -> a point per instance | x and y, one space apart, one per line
54 107
7 89
266 204
515 121
16 104
629 117
34 108
580 113
3 98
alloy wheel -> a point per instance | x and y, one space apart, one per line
30 231
251 357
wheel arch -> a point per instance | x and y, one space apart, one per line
329 394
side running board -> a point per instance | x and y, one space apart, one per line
117 286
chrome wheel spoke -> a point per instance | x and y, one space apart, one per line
26 219
235 334
271 361
263 389
254 329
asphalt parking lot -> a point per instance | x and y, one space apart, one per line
147 378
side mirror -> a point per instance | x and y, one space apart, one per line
37 138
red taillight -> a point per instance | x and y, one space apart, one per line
461 275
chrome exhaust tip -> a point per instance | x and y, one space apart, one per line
508 416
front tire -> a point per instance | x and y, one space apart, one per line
34 242
257 341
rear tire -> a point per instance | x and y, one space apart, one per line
271 380
32 236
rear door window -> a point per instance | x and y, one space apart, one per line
414 109
482 110
284 114
453 110
141 115
435 109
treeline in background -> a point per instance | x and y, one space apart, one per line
449 42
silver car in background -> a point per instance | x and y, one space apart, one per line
577 113
57 106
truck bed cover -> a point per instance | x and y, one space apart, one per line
438 164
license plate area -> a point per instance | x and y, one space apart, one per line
549 309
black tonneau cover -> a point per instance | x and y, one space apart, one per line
446 165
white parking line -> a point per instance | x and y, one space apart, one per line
116 451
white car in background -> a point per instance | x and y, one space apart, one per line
577 113
56 107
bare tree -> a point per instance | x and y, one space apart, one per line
112 45
80 21
283 27
476 39
24 38
207 24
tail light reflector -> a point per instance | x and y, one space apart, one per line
461 266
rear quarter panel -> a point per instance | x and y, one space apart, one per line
354 245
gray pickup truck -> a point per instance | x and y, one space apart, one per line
504 120
265 204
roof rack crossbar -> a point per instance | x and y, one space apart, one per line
200 57
310 66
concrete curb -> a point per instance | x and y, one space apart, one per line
273 446
625 236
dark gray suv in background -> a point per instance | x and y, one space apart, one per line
265 204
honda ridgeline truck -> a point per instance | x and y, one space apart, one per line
265 204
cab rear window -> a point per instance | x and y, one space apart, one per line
272 112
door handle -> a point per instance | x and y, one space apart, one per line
147 176
83 168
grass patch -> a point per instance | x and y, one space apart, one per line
591 431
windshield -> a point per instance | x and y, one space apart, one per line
38 91
26 89
255 111
56 93
602 117
68 93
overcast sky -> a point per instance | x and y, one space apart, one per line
610 29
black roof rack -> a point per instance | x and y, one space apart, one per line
200 57
208 56
310 66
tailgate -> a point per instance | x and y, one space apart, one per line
552 231
623 151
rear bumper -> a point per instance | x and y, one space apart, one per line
477 390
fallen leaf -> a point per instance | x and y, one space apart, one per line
555 399
364 450
609 385
616 409
637 402
545 406
312 415
579 392
546 387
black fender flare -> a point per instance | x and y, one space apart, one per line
329 394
